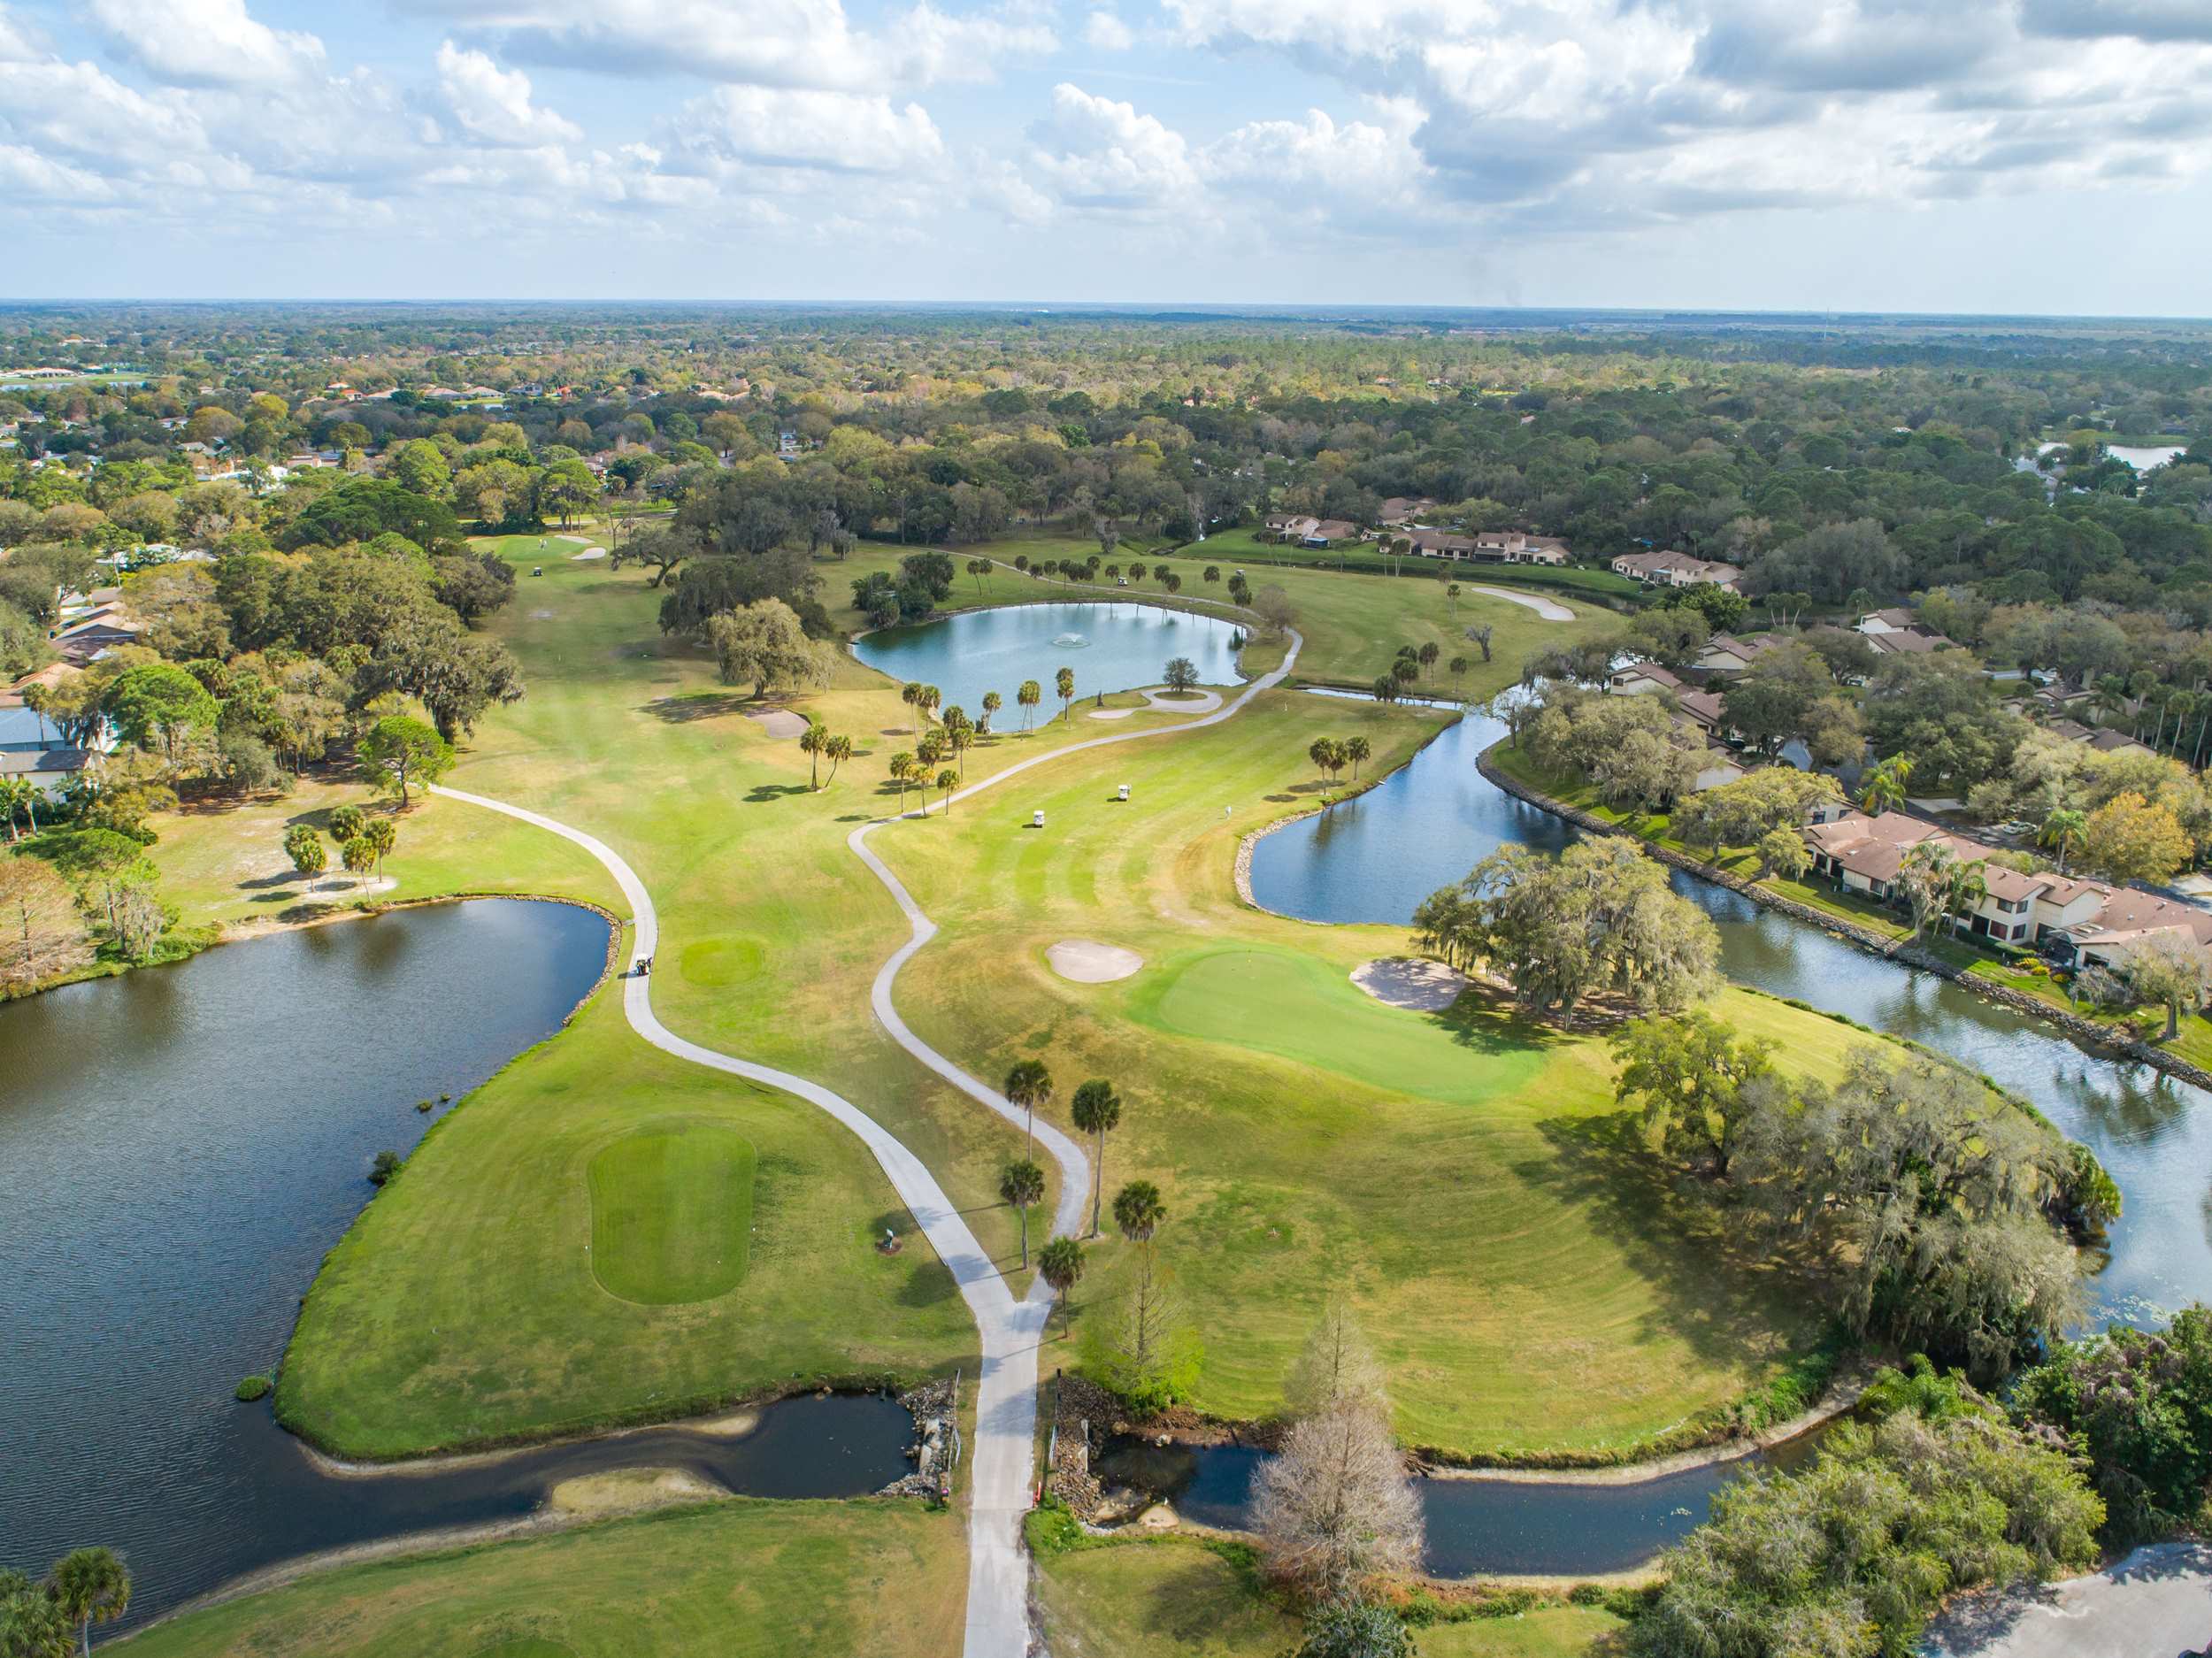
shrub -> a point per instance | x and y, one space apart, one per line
1052 1530
252 1389
384 1168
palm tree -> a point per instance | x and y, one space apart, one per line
1459 666
19 796
947 781
1064 682
979 568
910 693
960 740
838 748
1428 654
1022 1185
927 701
1327 754
89 1585
1029 1085
992 703
1030 695
1357 749
2063 829
1885 788
1060 1263
812 743
1096 1108
1212 573
1137 1211
902 774
921 782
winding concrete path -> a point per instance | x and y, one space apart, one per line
1011 1330
1550 610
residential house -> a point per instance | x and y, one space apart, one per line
32 746
1894 620
1308 530
1440 543
1727 655
1676 569
1645 679
2103 740
1703 710
1400 510
94 634
1908 642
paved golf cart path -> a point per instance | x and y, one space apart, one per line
1010 1331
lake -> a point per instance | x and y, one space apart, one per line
1110 646
1374 858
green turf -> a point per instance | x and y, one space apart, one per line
1173 1599
1301 1008
736 1579
671 1212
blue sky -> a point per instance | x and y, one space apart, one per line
2002 156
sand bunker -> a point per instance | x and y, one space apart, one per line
589 552
1197 702
1545 608
1404 982
1111 713
1088 963
779 722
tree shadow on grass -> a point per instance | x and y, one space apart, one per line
697 705
1720 1283
1489 1022
763 792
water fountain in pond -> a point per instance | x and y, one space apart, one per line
1069 641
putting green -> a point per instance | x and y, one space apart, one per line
671 1212
1304 1008
720 962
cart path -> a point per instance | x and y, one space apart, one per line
1003 1465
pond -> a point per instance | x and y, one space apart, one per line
179 1147
1111 646
1372 859
1475 1527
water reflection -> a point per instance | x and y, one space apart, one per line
1430 822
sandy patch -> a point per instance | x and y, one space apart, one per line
1545 608
347 887
1198 703
589 552
630 1491
1402 981
1111 713
779 722
736 1425
1089 963
541 616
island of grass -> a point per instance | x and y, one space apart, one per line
671 1212
749 1579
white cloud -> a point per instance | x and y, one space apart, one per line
205 43
1107 33
807 43
492 104
1099 153
834 132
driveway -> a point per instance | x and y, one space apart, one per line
2156 1603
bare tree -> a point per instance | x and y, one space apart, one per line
42 935
1336 1366
1335 1507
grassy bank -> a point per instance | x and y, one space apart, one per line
1176 1599
751 1579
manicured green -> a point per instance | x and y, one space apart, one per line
671 1212
735 1578
1253 547
1300 1008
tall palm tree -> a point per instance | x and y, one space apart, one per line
1022 1185
813 742
1427 656
1451 592
1459 666
1064 682
910 693
1096 1108
947 781
2063 830
1029 1085
838 748
992 702
902 774
1060 1263
1884 787
89 1585
1357 749
979 568
1137 1211
928 701
1030 695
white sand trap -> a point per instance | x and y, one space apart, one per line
1091 963
589 552
1544 608
1111 713
779 722
1404 982
1200 703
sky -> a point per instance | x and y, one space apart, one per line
1984 156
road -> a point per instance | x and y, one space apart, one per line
2155 1603
1003 1467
